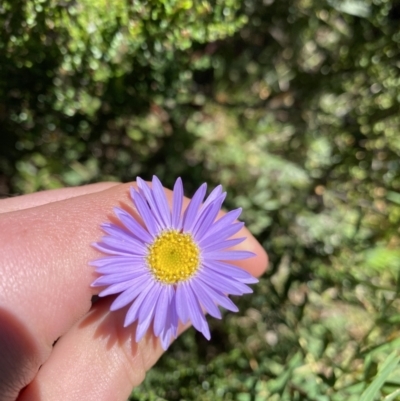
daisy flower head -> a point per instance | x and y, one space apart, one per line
175 265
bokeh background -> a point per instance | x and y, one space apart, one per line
292 105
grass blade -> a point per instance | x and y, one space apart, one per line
386 369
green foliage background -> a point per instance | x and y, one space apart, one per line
293 105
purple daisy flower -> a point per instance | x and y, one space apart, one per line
175 266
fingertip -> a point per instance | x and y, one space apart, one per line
258 264
261 260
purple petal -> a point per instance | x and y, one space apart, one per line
131 293
223 283
250 280
132 225
206 219
204 207
204 298
225 220
205 329
173 318
196 314
123 266
133 311
165 338
112 250
215 193
116 261
147 309
219 298
177 204
122 234
107 270
116 278
133 245
228 255
120 287
223 233
146 192
161 310
181 302
224 244
230 271
161 202
171 328
190 216
145 213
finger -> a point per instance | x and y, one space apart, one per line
98 359
45 255
41 198
52 290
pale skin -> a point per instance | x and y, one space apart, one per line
45 296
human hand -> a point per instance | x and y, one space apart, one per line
45 296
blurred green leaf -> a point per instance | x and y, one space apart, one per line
393 396
393 197
384 372
352 7
380 258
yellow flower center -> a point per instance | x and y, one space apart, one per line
173 257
